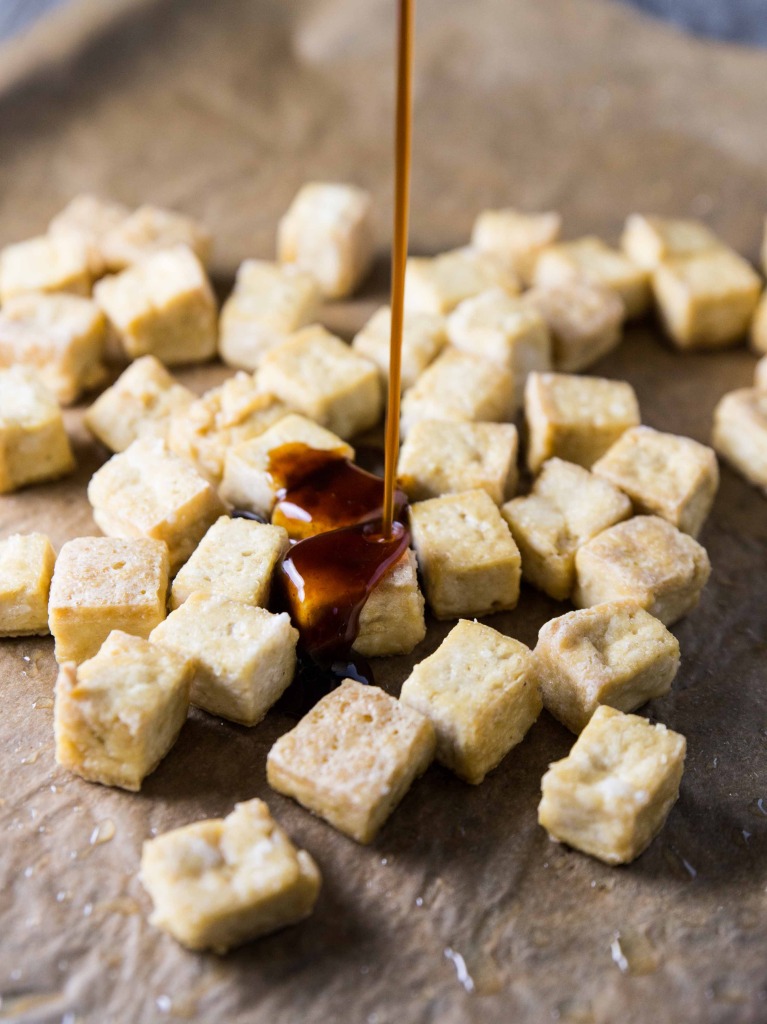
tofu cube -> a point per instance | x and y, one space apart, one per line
467 557
576 418
45 264
567 507
648 241
87 219
614 653
33 442
480 692
612 794
758 333
644 559
740 433
706 300
445 457
327 230
60 336
437 284
236 558
146 491
594 262
244 657
235 411
270 302
352 758
760 374
583 320
248 482
221 882
392 619
664 475
139 404
517 237
423 338
459 387
323 378
118 714
26 568
105 583
163 306
503 329
149 230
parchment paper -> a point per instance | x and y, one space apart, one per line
462 910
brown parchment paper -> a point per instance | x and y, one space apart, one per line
462 910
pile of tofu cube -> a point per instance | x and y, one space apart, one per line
170 604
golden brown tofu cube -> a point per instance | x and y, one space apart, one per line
147 491
105 583
445 457
44 264
436 284
33 442
576 418
221 882
758 333
26 568
118 714
612 794
149 230
644 559
352 758
480 692
614 653
760 374
244 657
392 619
567 507
648 241
583 320
516 236
594 262
468 559
423 338
88 219
740 433
663 474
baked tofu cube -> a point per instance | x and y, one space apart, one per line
323 378
576 418
60 336
105 583
706 300
758 334
221 882
139 404
88 219
567 507
327 231
352 758
444 457
646 560
592 261
468 559
45 264
248 481
503 329
436 284
612 794
615 654
740 433
149 230
236 558
26 568
517 237
244 657
392 619
163 306
423 338
583 320
235 411
118 714
459 387
147 491
480 692
760 374
270 302
664 475
33 442
648 241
